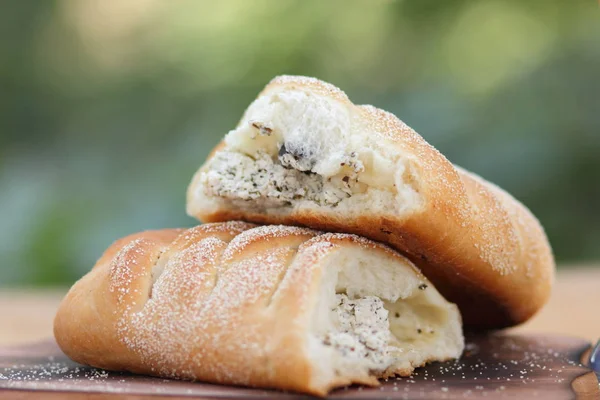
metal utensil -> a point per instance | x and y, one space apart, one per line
595 359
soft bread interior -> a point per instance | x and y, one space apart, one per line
376 316
297 149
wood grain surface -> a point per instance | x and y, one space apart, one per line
573 309
493 366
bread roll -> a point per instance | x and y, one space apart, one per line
271 306
303 154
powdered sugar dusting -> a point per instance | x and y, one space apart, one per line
390 127
196 302
170 317
500 220
493 366
428 167
195 323
231 227
304 82
498 243
122 269
265 233
521 244
252 278
358 240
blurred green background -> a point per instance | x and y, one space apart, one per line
107 108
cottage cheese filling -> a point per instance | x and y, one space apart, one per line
362 331
237 176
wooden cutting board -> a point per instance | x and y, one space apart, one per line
493 366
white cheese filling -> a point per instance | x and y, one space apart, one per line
237 176
296 151
362 331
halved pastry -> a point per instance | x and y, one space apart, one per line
270 306
304 154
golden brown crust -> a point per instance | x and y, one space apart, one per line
229 304
480 247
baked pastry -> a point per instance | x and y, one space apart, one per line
303 154
270 306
